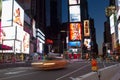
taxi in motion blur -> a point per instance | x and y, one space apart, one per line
50 63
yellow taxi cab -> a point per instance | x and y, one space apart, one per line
50 63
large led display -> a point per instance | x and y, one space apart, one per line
0 8
19 34
74 43
86 28
74 12
9 43
39 46
75 31
8 33
18 46
33 28
87 43
18 15
25 42
7 12
117 4
74 2
112 26
1 33
119 32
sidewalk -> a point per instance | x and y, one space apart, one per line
116 76
16 64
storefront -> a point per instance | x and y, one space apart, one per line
74 51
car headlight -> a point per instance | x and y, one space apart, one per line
48 63
37 63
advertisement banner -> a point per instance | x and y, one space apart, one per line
75 31
18 15
87 43
25 42
19 33
86 28
8 33
74 2
74 13
119 32
112 26
9 43
18 46
7 13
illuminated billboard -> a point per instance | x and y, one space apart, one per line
87 43
39 46
18 15
74 43
33 28
8 33
19 33
117 4
9 43
7 12
25 42
0 8
119 32
75 31
16 46
86 28
12 15
74 12
74 2
112 26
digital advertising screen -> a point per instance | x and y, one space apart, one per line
19 34
18 46
119 32
6 17
1 33
75 31
112 26
9 43
0 9
39 47
117 4
74 43
33 28
18 15
74 2
87 43
8 33
86 28
74 13
25 42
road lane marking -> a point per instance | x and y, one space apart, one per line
72 78
72 72
15 72
17 76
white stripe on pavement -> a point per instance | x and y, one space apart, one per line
72 72
17 76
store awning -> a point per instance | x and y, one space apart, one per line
5 47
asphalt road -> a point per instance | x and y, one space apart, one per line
73 70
